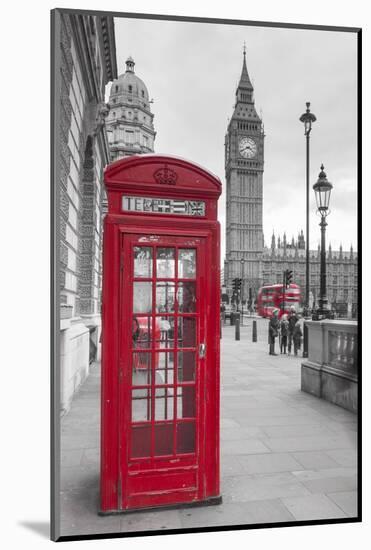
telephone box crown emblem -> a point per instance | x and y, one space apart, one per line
165 176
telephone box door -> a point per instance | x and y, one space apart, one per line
162 370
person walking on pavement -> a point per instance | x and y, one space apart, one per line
292 319
273 329
284 332
297 337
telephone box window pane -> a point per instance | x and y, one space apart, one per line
186 332
142 297
165 297
186 297
164 367
164 403
142 261
165 266
186 366
141 405
165 332
141 332
186 437
187 263
164 439
186 402
141 368
141 441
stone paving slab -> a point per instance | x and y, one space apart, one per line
315 459
313 507
285 455
347 501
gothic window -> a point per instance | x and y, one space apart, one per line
130 88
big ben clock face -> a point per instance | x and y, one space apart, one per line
247 147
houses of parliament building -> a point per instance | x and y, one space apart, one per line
247 255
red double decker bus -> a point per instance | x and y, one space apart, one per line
272 297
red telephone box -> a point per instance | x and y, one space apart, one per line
160 344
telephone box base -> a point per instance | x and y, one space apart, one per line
209 502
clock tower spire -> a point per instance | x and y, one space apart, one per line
244 166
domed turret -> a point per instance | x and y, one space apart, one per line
130 122
130 86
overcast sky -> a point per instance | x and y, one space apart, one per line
191 71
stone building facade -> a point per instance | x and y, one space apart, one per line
129 122
244 166
341 270
86 62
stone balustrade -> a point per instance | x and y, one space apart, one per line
331 369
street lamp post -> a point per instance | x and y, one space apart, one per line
322 189
307 118
242 260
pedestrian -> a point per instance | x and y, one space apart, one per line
273 329
292 319
297 337
284 333
222 312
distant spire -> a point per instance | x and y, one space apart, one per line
245 81
351 252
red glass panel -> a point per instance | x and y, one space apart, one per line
141 441
186 366
186 437
186 402
164 439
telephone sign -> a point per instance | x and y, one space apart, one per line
163 206
160 345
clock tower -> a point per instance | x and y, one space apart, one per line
244 166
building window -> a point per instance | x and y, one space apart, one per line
129 137
116 89
334 280
130 88
345 294
142 93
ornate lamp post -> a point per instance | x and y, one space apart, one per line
322 189
242 260
307 118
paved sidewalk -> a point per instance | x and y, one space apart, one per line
285 455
